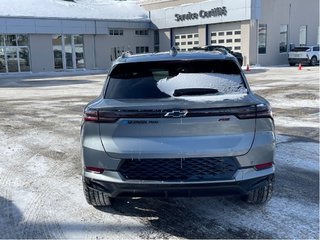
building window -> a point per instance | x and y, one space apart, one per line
303 35
283 38
262 41
183 36
237 32
14 53
229 40
79 51
237 48
177 37
142 49
116 32
213 41
141 32
221 33
213 34
237 40
196 35
196 42
190 36
229 33
68 51
221 41
156 41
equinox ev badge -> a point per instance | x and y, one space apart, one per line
176 113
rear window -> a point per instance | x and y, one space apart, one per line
160 79
300 49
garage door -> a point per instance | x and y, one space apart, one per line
186 42
230 39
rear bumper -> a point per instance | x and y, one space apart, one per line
299 60
179 189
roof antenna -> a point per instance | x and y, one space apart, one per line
173 52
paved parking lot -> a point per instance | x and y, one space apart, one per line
40 184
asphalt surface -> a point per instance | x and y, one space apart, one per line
40 183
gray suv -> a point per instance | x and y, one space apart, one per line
177 125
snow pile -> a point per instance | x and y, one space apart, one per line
224 83
79 9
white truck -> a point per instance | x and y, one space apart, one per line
304 55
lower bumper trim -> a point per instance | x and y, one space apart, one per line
177 190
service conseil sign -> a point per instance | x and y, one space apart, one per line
214 12
206 12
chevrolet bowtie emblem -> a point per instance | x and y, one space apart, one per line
176 113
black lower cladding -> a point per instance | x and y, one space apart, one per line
177 169
167 189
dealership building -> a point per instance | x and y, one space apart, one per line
262 30
70 36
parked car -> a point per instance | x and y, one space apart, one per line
304 55
177 124
238 55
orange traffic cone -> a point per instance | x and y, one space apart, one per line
248 68
299 67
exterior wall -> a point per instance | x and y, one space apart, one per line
301 13
157 4
202 35
97 41
249 36
41 53
164 39
89 51
101 52
127 42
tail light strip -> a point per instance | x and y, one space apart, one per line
247 112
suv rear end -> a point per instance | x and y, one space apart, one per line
177 125
304 55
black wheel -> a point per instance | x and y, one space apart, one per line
260 195
94 197
292 64
313 61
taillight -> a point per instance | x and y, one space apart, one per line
257 111
263 166
264 111
93 115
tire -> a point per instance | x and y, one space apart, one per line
94 197
313 61
292 64
260 195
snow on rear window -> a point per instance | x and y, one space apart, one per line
224 83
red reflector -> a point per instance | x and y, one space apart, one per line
263 166
94 169
90 115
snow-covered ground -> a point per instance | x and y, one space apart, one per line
40 184
79 9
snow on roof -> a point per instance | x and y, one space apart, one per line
77 9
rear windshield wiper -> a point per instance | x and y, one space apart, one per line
194 91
